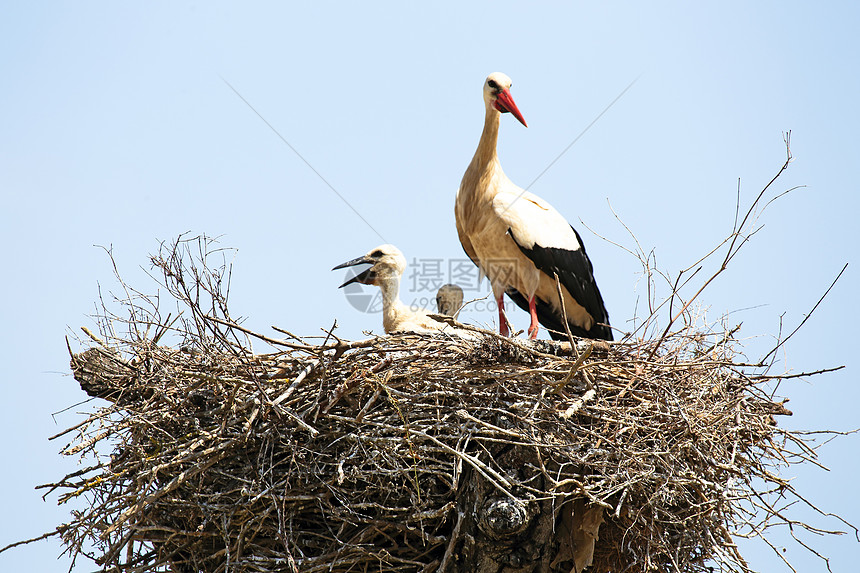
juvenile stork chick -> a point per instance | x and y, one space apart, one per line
449 299
387 266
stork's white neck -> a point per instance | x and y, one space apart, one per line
486 152
390 287
485 166
391 305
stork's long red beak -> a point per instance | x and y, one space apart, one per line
505 103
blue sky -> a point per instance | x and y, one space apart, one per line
118 129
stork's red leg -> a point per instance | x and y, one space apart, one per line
503 322
533 327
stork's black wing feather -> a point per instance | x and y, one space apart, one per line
575 274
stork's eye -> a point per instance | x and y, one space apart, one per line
493 84
377 254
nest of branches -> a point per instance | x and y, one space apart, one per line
413 453
417 453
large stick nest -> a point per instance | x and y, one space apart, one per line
355 456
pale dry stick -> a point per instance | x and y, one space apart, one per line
557 387
623 495
330 334
51 487
59 531
287 332
315 350
468 302
562 484
464 414
95 338
578 404
295 384
798 375
274 341
105 350
370 402
564 315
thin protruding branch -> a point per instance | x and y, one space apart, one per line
739 237
805 318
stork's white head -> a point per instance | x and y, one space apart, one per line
497 95
387 262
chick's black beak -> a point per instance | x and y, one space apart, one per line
365 277
360 260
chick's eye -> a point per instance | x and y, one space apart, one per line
493 84
376 254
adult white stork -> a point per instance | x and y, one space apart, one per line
520 242
388 264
